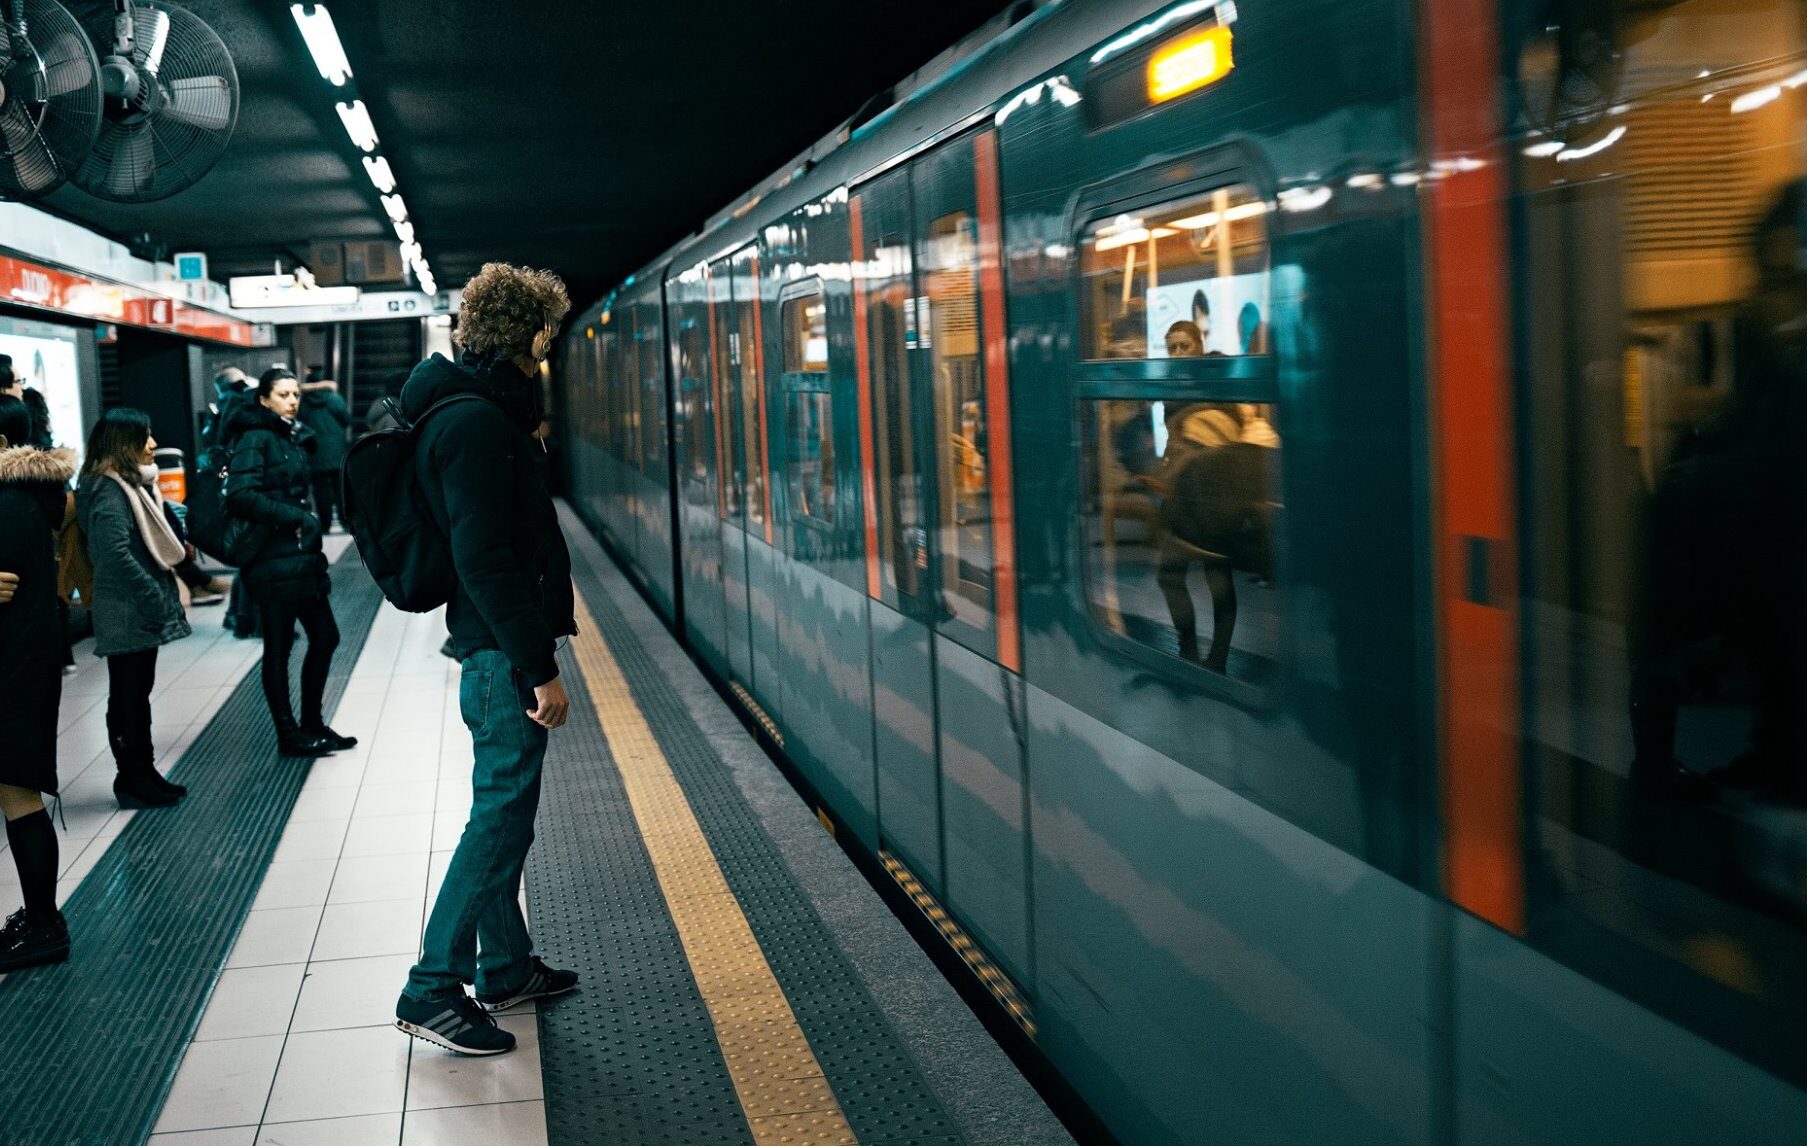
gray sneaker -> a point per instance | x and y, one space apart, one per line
455 1022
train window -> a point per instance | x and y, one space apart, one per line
693 429
811 457
1663 304
805 319
1179 280
750 358
1180 500
900 541
652 395
950 277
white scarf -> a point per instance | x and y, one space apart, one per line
146 501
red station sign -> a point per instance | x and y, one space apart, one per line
24 283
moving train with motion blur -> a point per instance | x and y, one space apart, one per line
1278 523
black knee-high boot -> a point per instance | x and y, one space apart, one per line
37 934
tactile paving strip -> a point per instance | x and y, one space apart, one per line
877 1084
88 1050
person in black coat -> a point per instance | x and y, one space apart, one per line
267 490
327 415
32 484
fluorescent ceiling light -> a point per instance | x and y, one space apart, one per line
323 41
398 210
404 231
377 167
411 253
356 118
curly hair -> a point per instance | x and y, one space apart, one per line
505 306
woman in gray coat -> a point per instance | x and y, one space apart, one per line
137 607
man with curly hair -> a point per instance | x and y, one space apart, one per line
514 600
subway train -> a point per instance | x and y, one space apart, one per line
1278 525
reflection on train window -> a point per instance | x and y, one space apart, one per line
1181 280
694 427
950 277
1665 329
750 361
806 334
652 399
811 455
902 551
1178 520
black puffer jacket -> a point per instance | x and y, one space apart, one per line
31 662
269 484
476 467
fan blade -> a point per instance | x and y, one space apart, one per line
133 167
204 101
150 35
23 146
71 68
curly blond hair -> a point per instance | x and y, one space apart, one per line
505 306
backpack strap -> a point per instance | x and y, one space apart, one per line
394 407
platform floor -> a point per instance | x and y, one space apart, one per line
742 981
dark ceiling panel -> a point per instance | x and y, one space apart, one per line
582 136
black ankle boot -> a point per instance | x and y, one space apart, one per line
141 787
26 941
134 753
299 742
322 732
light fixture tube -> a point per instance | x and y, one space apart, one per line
356 118
377 167
323 41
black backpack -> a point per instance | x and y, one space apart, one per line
387 513
206 501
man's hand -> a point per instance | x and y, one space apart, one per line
553 705
9 584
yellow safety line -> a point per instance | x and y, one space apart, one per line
782 1089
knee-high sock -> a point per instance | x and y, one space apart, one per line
33 840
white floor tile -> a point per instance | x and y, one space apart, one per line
336 771
412 767
503 1124
369 1130
448 827
389 835
395 799
295 883
338 1074
323 804
369 878
356 930
251 1001
279 935
231 1136
351 993
221 1084
319 840
439 1078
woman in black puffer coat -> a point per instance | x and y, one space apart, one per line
267 490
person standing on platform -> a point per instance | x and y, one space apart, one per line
327 415
137 607
32 490
267 491
475 463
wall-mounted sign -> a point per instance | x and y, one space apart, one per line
191 267
358 261
30 284
253 292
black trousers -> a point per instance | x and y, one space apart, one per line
131 677
326 497
277 612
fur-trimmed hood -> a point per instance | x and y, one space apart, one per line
24 464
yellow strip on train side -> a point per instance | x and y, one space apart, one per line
780 1084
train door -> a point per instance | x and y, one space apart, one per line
903 690
762 569
725 353
700 493
969 583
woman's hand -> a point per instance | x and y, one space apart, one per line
9 584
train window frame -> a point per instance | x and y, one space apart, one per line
805 385
1241 378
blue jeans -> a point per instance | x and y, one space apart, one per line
476 933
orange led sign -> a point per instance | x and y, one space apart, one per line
1190 62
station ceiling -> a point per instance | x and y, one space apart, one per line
581 135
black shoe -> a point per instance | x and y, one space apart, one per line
168 785
302 744
322 732
456 1023
543 983
25 942
143 788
